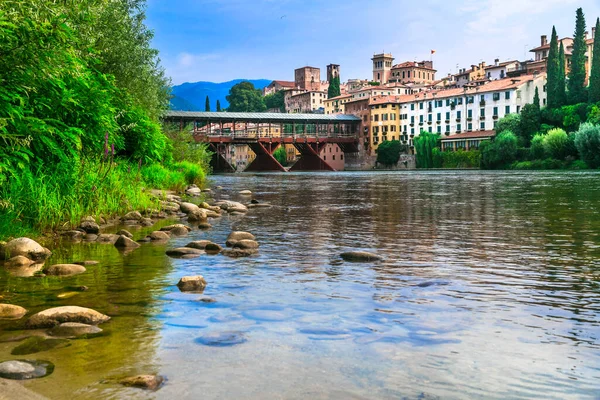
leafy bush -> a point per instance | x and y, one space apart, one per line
280 155
193 173
461 159
578 164
511 122
555 144
537 151
388 152
587 142
500 152
424 145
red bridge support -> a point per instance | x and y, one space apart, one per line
218 163
310 160
264 160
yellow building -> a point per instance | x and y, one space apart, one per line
335 105
385 120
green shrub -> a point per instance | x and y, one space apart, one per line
536 150
500 152
461 159
157 176
587 142
578 164
193 173
424 145
388 152
555 144
280 155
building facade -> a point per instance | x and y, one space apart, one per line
382 67
336 105
413 72
308 78
277 86
300 101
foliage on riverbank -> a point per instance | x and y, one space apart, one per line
81 91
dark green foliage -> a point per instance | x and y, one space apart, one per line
457 159
537 151
500 152
388 152
280 155
276 101
573 116
561 86
593 114
511 122
424 145
594 91
529 123
555 144
553 66
218 105
207 104
577 91
334 88
244 97
587 142
536 99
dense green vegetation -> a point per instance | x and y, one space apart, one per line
81 91
425 143
275 101
388 152
244 97
280 155
334 89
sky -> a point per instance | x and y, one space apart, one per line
222 40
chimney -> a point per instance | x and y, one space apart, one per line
496 62
544 40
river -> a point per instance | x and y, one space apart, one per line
489 289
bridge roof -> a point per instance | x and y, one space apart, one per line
258 117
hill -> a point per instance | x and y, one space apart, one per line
192 96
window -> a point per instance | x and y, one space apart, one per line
334 157
495 111
482 112
447 128
412 131
459 101
420 118
429 129
409 74
412 119
439 129
482 97
376 117
375 130
447 102
496 96
507 95
429 117
469 126
518 109
482 126
439 117
384 117
393 117
469 113
421 105
412 107
507 110
447 115
458 127
458 114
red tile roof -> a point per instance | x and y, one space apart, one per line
285 83
471 135
411 64
502 64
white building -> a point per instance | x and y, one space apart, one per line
499 70
454 111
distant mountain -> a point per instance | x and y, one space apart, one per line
192 96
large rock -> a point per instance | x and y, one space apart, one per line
131 216
74 235
123 242
58 315
150 382
125 232
212 214
232 206
107 238
24 247
359 256
25 271
193 190
184 252
192 283
74 329
90 227
204 225
246 244
235 253
245 193
25 369
236 236
169 206
188 207
159 236
213 248
169 228
198 215
11 311
65 269
207 206
179 231
198 244
18 262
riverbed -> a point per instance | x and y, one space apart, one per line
489 288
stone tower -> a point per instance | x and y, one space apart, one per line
382 67
308 78
333 70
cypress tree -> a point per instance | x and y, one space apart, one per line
207 104
562 74
218 105
536 98
595 72
334 87
577 91
552 67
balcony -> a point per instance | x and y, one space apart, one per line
495 117
420 123
482 118
447 121
429 122
469 119
482 103
458 119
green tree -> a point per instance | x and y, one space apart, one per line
276 101
334 88
244 97
218 105
536 98
424 145
537 151
280 155
500 152
594 91
561 89
388 152
552 68
529 123
555 144
577 91
511 122
587 142
207 104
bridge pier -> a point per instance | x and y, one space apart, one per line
264 160
310 159
218 163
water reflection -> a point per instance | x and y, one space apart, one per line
488 289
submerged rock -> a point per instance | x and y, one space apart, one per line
125 232
11 311
150 382
123 242
159 236
198 244
235 253
73 235
24 247
213 248
65 269
37 344
222 339
184 252
360 256
25 369
107 238
25 271
88 263
74 329
57 315
204 225
192 283
17 262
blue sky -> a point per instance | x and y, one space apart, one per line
221 40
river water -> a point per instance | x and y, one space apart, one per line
489 288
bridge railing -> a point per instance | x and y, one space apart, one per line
299 131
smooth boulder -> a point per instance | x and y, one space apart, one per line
184 252
192 283
150 382
25 369
17 262
245 193
11 311
58 315
107 238
188 207
198 244
359 256
24 247
159 236
213 248
246 244
125 232
123 242
132 216
90 227
169 228
236 253
64 269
